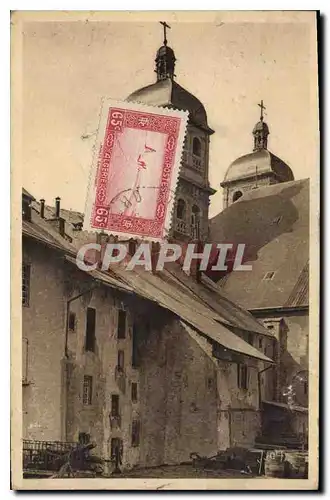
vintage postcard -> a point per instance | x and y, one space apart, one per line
165 261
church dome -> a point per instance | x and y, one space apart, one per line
258 163
169 93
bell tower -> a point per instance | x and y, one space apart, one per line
192 196
256 169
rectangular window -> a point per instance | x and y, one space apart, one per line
87 390
135 432
26 273
25 355
134 392
121 332
72 321
242 376
90 329
120 361
260 342
115 405
135 361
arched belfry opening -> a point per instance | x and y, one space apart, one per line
197 147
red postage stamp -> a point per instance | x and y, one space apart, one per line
135 170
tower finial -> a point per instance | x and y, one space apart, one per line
262 107
165 58
261 130
165 25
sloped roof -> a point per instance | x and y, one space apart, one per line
27 194
273 223
160 288
70 216
170 289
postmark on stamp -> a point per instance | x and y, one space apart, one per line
135 170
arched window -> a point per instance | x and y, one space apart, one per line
237 195
197 147
195 221
181 209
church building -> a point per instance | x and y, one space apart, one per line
190 221
259 168
268 211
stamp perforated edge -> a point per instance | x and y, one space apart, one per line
106 103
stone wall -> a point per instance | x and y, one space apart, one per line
43 327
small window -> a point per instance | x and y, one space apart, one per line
72 321
26 272
269 276
181 209
260 342
270 327
134 392
115 405
250 338
120 361
87 390
135 433
90 329
237 195
197 147
305 387
121 331
242 376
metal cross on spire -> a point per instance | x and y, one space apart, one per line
165 25
262 107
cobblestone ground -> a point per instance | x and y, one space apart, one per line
183 471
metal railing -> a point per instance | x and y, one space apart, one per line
45 455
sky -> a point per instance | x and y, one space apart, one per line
230 62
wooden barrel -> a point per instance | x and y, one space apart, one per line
274 464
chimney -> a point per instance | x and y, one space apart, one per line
57 207
61 226
155 249
132 244
42 208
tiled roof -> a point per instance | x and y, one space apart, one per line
273 223
300 293
163 290
27 194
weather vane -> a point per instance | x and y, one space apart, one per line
262 107
165 25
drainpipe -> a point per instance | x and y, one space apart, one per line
259 385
